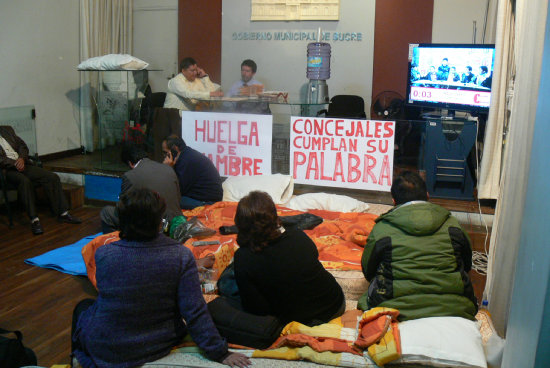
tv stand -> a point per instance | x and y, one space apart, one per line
431 115
447 144
449 115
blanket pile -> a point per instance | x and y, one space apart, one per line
356 339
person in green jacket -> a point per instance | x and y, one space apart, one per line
417 257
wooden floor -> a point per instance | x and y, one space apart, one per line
37 301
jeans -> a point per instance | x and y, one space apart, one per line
188 203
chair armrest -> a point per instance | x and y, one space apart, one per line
35 160
322 112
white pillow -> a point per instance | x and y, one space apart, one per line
441 342
113 62
325 201
278 186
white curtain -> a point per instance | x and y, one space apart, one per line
106 27
500 30
529 33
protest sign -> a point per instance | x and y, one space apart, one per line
237 144
344 153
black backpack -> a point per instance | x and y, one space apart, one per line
13 354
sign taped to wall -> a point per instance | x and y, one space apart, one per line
344 153
237 144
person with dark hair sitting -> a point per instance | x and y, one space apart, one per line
417 257
468 76
278 272
199 180
190 84
145 173
443 70
415 73
241 87
483 75
19 171
149 295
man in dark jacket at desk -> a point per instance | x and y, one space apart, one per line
14 161
200 182
417 257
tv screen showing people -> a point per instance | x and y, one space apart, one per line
457 76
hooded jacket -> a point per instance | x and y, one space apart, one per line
417 259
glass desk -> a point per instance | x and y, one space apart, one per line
260 104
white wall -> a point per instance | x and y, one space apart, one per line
38 58
156 39
453 21
282 64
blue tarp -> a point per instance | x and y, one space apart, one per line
67 259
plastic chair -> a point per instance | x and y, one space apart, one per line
345 106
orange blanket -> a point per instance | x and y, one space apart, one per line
340 238
88 253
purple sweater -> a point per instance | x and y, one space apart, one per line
149 298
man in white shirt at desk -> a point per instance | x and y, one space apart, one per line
248 70
192 83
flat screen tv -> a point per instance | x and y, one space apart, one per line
451 76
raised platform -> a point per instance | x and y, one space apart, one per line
88 164
104 162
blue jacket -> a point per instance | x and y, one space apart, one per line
199 179
146 292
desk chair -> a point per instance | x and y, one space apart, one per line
166 121
152 102
345 106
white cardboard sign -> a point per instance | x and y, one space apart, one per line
345 153
237 144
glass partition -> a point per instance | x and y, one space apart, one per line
437 147
117 97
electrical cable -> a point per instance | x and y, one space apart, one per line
480 259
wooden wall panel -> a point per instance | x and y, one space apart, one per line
199 34
398 23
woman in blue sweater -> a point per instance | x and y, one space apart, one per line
149 296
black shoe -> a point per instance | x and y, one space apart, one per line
69 219
36 228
